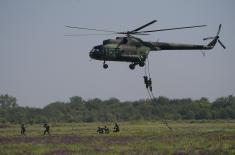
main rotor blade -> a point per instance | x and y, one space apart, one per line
176 28
141 27
90 29
91 34
221 44
144 34
208 38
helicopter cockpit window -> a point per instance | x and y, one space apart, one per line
93 50
97 49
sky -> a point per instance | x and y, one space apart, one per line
40 65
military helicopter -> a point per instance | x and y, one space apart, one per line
134 50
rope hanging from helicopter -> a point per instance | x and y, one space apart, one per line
148 83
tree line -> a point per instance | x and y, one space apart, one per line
93 110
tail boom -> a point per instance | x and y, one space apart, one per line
175 46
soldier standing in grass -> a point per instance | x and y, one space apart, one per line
116 128
22 129
47 129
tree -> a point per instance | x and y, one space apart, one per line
7 101
93 110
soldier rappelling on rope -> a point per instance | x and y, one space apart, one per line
148 83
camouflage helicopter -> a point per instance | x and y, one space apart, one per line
134 50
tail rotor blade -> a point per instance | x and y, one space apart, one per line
208 38
221 44
219 30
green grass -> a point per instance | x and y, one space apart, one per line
187 137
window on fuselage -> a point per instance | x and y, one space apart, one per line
117 49
112 50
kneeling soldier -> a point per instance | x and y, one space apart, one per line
106 129
100 130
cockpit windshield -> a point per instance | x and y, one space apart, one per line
93 50
97 48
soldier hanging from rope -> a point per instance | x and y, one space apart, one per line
148 83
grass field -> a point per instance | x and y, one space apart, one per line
187 137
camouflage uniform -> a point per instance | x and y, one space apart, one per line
116 128
47 129
148 83
22 129
100 130
106 129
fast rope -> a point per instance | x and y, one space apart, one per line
148 83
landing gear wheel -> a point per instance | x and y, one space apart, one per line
105 66
132 66
141 63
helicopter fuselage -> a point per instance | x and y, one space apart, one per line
121 49
135 50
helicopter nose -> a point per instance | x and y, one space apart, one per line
91 54
96 53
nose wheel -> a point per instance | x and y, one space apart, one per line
105 66
132 66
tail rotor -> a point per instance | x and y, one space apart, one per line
216 38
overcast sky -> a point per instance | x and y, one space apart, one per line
39 65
